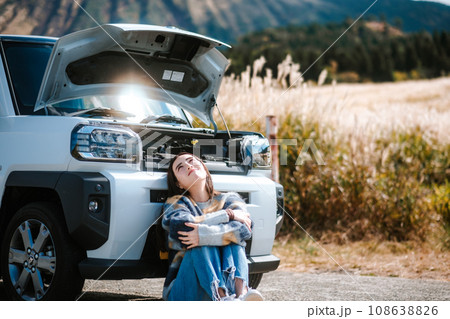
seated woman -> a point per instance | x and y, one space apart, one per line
206 234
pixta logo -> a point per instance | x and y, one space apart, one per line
159 148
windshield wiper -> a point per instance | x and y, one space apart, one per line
164 118
100 111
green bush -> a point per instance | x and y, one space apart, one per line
393 193
440 203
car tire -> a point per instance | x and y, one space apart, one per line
255 280
39 260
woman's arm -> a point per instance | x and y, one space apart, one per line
224 234
180 212
237 230
237 210
177 211
222 215
218 229
215 235
215 218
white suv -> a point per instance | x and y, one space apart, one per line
88 123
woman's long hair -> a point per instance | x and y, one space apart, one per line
172 182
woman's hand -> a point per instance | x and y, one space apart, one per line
189 238
243 217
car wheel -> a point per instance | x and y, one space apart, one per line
39 260
255 280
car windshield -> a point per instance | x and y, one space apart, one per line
128 107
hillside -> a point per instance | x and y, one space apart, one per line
370 51
225 20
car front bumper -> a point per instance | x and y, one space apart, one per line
133 210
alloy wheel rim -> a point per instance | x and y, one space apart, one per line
31 259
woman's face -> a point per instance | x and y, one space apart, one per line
188 170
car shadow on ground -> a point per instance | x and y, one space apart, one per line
96 296
107 296
2 291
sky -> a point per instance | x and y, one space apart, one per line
447 2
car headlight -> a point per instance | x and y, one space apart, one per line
256 152
108 144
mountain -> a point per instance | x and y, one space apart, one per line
369 51
224 19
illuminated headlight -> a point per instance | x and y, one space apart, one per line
109 144
256 152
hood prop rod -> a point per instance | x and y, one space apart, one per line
213 103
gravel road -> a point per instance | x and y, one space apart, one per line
290 286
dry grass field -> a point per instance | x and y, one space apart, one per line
411 118
365 258
363 110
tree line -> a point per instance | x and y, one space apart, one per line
368 51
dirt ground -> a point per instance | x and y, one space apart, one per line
282 285
386 259
322 272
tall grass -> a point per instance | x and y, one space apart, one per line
386 149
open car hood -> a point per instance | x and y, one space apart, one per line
164 63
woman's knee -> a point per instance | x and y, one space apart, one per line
209 252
